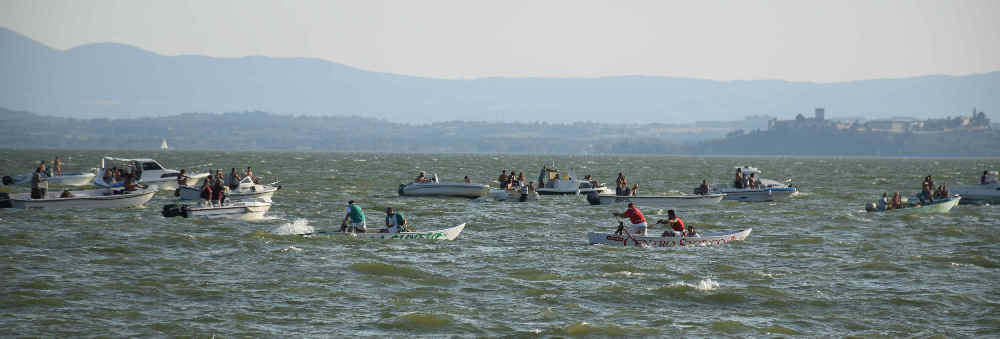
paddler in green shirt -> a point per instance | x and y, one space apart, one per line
394 222
357 218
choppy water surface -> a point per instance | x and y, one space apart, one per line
816 265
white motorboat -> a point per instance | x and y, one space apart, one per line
983 193
95 198
245 210
150 173
434 188
708 239
552 182
520 195
450 233
937 206
657 201
247 190
770 190
65 179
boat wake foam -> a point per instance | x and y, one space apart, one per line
298 226
703 285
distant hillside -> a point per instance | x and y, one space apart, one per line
117 81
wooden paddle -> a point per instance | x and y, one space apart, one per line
637 244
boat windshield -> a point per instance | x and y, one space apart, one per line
147 166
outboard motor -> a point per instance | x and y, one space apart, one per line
401 186
594 198
7 180
524 197
175 210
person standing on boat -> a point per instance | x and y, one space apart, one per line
130 185
636 218
739 181
503 179
57 166
420 178
884 202
249 174
357 218
635 190
897 201
982 179
39 183
206 192
394 222
218 190
233 179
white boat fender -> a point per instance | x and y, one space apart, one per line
594 198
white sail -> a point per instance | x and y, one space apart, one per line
163 146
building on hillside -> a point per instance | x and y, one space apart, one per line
817 121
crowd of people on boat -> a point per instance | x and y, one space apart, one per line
621 186
745 181
215 186
928 192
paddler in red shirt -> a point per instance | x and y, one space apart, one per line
676 225
636 218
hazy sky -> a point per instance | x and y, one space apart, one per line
822 41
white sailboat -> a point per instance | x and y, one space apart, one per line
163 146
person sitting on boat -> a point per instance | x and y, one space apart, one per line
531 187
57 166
752 182
130 185
66 194
394 222
883 203
636 218
982 179
218 190
420 178
206 192
897 201
39 183
357 218
520 179
233 179
676 225
467 181
926 190
703 189
249 174
942 192
739 181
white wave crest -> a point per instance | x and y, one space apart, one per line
298 226
703 285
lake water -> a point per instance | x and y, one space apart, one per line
815 265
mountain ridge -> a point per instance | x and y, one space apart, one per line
118 80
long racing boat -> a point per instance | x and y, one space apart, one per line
626 239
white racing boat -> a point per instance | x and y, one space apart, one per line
245 210
247 190
450 233
65 179
983 193
937 206
150 173
657 201
95 198
770 190
708 239
434 188
520 195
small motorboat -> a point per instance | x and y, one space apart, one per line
95 198
150 173
65 179
770 190
520 195
657 201
935 206
245 210
708 239
553 182
983 193
450 233
247 190
435 188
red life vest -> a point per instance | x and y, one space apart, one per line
635 216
